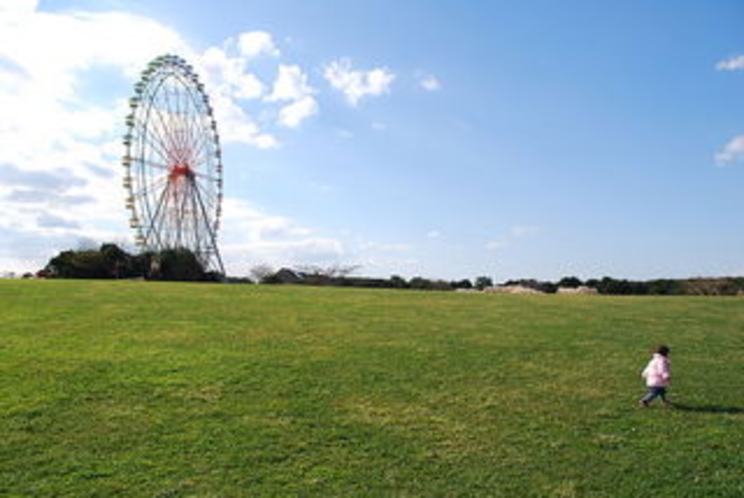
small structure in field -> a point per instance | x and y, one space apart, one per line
511 289
582 289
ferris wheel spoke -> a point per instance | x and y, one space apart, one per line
156 165
157 147
189 139
208 206
151 137
163 138
154 187
205 153
196 134
152 231
163 122
153 116
150 202
205 176
204 207
194 117
147 198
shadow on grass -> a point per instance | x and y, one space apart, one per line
723 410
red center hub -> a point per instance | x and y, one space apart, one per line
180 170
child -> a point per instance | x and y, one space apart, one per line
657 375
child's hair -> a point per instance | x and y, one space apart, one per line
663 350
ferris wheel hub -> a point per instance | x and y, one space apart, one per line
181 171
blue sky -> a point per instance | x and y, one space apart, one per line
447 139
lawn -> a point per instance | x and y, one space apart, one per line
170 390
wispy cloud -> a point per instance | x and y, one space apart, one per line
520 231
292 115
355 84
252 237
735 63
494 245
385 247
732 152
513 234
430 83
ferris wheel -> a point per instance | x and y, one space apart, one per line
173 163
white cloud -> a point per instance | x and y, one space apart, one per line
731 152
358 84
289 102
52 66
255 43
237 126
227 75
735 63
515 233
290 84
292 115
430 83
18 8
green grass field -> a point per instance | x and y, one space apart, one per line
155 389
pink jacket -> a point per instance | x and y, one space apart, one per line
657 372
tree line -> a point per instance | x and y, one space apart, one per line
335 276
112 262
720 286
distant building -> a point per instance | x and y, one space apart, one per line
288 276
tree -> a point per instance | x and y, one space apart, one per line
62 265
462 284
180 265
118 262
419 283
78 264
483 282
570 282
398 282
